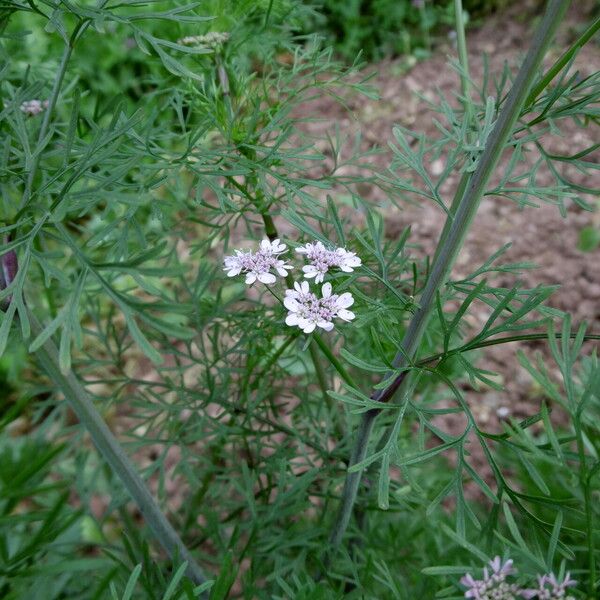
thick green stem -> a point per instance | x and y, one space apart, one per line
114 455
458 196
352 481
452 244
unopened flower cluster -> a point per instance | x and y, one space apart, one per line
213 39
306 309
495 585
33 107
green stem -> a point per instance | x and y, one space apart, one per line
458 196
474 345
450 249
584 480
62 69
78 31
271 231
114 455
321 377
337 365
463 56
352 481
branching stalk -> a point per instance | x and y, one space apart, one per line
114 455
449 251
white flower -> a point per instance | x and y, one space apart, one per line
33 107
322 259
258 265
307 311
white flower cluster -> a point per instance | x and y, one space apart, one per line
258 265
322 259
493 586
33 107
306 310
212 39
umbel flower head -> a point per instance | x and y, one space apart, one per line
307 311
258 265
322 259
493 586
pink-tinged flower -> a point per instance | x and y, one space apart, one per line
258 265
500 568
549 588
494 585
33 107
322 259
307 311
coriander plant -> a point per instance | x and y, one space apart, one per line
201 287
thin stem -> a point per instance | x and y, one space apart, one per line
114 455
271 231
62 69
463 56
337 365
474 345
321 377
584 480
450 249
78 31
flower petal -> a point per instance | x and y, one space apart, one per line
345 300
309 327
266 278
292 319
291 304
346 315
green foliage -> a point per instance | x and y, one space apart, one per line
589 239
152 161
379 28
